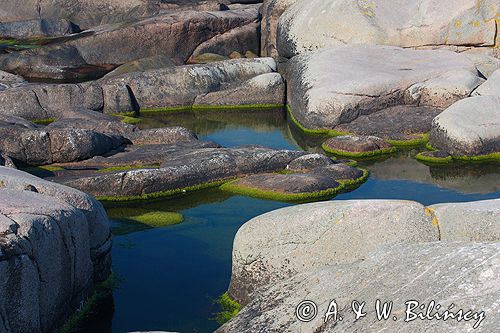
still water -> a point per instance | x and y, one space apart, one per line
168 277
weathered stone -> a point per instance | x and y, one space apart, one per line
468 222
181 167
336 85
309 25
271 12
38 146
465 274
166 135
8 80
141 65
179 86
356 144
490 87
309 162
402 122
37 28
85 13
468 127
206 58
264 89
55 246
240 39
280 244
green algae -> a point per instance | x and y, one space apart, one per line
230 309
314 132
493 157
45 121
422 140
367 154
154 219
211 107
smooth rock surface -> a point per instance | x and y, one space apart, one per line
271 12
491 87
468 222
314 24
465 274
277 245
336 85
265 89
37 28
469 127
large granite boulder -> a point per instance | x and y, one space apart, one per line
34 145
182 166
37 28
271 12
282 243
454 275
469 127
309 25
55 245
161 88
336 85
84 13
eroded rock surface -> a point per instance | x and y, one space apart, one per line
337 85
55 244
309 25
465 274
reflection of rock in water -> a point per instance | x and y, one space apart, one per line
465 178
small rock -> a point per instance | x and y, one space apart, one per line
350 145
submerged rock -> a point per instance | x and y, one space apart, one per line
55 245
309 25
349 145
362 79
466 275
469 127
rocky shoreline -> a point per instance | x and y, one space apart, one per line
367 79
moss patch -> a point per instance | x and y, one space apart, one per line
130 120
101 292
344 185
367 154
129 167
423 157
44 121
309 131
162 194
229 307
155 219
422 140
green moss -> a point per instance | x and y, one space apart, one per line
433 160
359 155
44 121
101 292
41 168
316 132
234 188
155 219
129 167
161 194
230 309
423 139
493 157
130 120
167 109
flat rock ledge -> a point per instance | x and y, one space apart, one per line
55 246
352 250
357 146
232 83
280 244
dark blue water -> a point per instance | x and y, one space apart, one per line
169 277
